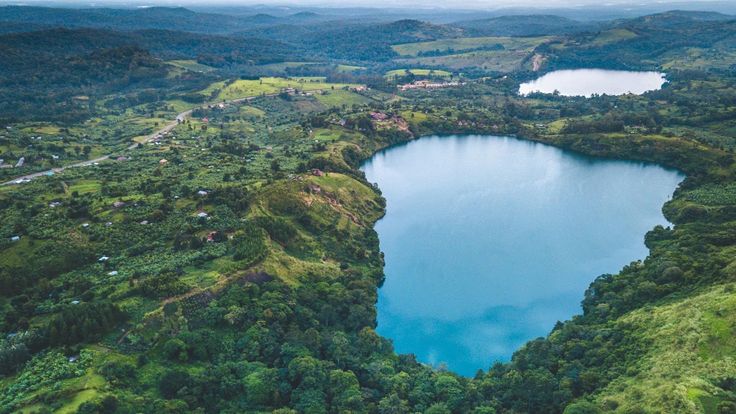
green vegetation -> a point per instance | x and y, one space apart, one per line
450 46
191 65
231 265
418 72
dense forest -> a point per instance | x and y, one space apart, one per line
205 241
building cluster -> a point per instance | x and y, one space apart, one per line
427 84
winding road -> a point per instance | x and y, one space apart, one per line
166 128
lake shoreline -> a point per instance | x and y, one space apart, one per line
389 221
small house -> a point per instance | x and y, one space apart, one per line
378 116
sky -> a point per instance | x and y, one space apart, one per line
463 4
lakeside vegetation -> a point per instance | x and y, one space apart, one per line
232 266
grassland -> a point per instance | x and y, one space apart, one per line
191 65
418 72
513 54
452 46
241 88
691 346
339 98
612 36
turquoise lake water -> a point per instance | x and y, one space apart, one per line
489 241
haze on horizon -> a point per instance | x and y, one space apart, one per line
424 4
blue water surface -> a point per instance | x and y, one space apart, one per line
490 240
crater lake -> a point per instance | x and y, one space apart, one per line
489 241
586 82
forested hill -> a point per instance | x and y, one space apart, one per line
371 42
127 19
43 70
525 25
163 43
650 41
171 18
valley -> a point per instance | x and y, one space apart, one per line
211 240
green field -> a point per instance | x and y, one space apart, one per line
467 43
340 97
418 72
191 65
613 36
348 68
267 86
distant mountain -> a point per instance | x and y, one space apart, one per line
673 20
524 25
13 27
354 41
134 19
165 44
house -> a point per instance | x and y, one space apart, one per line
202 214
317 172
163 161
15 238
85 225
118 204
121 158
75 302
113 273
20 162
103 259
211 236
378 116
144 222
54 204
202 193
425 84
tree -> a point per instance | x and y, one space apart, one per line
172 381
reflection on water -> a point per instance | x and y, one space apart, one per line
490 240
585 82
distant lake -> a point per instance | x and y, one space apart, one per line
585 82
489 240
